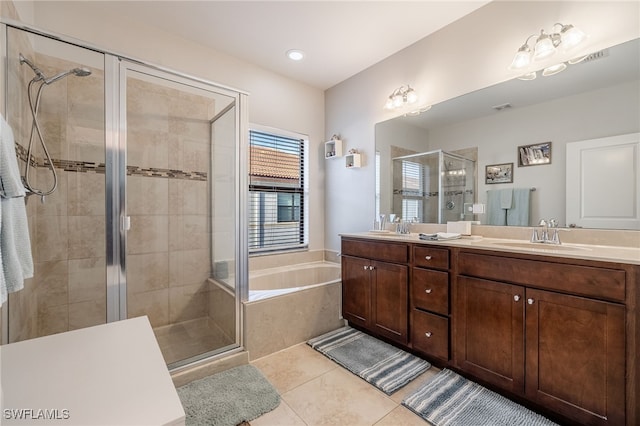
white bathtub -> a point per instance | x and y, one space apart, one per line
307 305
272 282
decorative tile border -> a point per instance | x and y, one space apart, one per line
92 167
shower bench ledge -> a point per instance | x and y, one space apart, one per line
103 375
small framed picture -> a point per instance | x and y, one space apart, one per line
499 173
534 155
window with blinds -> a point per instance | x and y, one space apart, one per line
276 192
412 190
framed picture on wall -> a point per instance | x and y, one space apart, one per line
534 155
498 173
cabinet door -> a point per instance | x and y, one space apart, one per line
390 300
489 318
575 356
356 291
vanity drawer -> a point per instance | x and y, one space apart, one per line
385 251
430 257
581 280
430 334
430 290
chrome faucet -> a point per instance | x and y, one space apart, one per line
544 238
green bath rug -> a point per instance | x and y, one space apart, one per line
228 398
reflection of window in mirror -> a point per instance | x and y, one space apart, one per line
377 184
412 190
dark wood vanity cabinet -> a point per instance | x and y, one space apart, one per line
429 301
560 333
374 291
561 351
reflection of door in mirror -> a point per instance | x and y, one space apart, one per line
602 182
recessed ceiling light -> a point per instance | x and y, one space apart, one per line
295 55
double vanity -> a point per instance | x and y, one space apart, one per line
554 327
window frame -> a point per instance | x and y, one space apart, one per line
302 190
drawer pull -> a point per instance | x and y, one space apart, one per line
530 301
516 298
428 334
428 291
427 257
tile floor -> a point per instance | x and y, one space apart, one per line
317 391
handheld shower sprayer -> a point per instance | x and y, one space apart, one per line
34 104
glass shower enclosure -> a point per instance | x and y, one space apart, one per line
146 215
433 187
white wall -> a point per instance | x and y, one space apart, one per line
471 53
274 100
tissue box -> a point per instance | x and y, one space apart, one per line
462 227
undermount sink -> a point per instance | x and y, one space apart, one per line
539 246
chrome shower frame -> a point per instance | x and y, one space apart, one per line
115 188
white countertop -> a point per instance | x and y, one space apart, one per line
630 255
111 374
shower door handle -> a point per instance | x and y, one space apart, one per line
126 223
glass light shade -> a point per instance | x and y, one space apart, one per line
388 104
544 47
554 69
571 37
398 100
412 97
522 58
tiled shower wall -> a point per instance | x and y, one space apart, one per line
67 230
168 262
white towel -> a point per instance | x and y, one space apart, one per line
16 262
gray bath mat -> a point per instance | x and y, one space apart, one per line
228 398
384 366
451 400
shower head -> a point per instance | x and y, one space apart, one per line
80 72
39 73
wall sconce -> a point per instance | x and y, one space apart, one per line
545 46
404 97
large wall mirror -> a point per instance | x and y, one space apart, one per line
594 99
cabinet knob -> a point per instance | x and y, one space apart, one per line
427 257
371 268
428 334
516 298
428 291
530 301
366 267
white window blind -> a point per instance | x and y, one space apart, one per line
276 192
412 190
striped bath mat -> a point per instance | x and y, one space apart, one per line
384 366
451 400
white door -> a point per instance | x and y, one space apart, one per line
603 181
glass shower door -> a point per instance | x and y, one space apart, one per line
181 143
67 227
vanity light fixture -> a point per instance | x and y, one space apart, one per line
401 97
404 97
546 45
